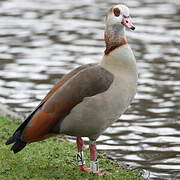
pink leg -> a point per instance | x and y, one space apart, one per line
80 144
94 163
92 152
80 156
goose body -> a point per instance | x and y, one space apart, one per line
94 114
88 99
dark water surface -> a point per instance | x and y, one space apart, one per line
40 40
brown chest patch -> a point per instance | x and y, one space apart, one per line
110 46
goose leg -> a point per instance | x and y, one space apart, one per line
80 156
94 163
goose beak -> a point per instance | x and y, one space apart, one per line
126 21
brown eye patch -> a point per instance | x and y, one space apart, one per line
116 11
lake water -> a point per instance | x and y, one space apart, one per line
41 40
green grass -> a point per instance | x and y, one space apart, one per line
51 159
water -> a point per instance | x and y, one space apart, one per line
42 40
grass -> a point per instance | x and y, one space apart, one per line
51 159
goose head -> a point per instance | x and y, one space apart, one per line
117 20
118 17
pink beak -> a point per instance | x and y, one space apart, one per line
126 21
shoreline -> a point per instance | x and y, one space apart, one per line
5 111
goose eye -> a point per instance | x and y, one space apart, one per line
116 12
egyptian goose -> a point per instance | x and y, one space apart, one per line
88 99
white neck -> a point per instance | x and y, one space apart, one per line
115 33
114 37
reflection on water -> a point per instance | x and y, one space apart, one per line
42 40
